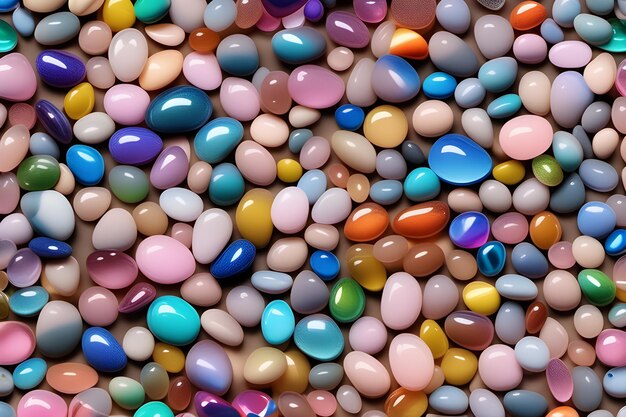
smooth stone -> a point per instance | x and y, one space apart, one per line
534 91
86 163
202 70
6 383
16 228
234 260
401 301
138 343
387 70
8 39
216 223
569 98
246 305
14 144
37 173
102 351
498 74
170 168
494 35
504 106
308 294
570 54
19 342
600 73
103 236
440 297
530 49
29 301
57 28
354 150
227 185
23 21
217 139
449 400
454 16
596 219
30 373
173 320
359 90
593 29
316 328
439 85
58 225
298 46
367 374
179 109
597 287
43 144
24 268
128 53
264 365
567 150
54 121
613 382
71 377
564 12
326 375
313 183
188 15
208 367
616 44
525 403
516 287
41 403
553 334
18 80
470 330
532 353
461 149
315 87
126 392
407 354
332 207
254 402
290 210
588 392
528 261
153 409
222 327
551 31
617 315
531 197
238 55
59 68
469 93
347 300
181 204
128 183
6 410
277 322
58 318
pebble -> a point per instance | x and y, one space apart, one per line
102 351
525 403
494 35
316 328
450 54
386 72
57 28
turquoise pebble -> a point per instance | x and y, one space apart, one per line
271 282
277 322
29 301
449 400
596 219
504 106
615 243
179 109
614 382
516 287
24 22
298 45
618 40
593 29
102 351
42 144
30 373
6 410
8 5
151 11
237 54
422 184
598 175
567 151
173 320
458 160
551 32
469 93
491 258
565 11
154 409
498 74
349 117
313 183
86 163
569 196
439 85
319 337
524 403
227 185
234 260
297 139
528 261
217 139
386 192
325 264
617 315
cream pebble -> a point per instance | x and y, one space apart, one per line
222 327
367 374
91 203
61 276
340 58
269 130
477 125
495 196
138 343
534 90
166 34
354 150
561 290
588 252
464 199
116 229
99 72
300 116
600 73
531 197
128 53
287 254
588 321
322 236
432 118
605 143
359 89
94 128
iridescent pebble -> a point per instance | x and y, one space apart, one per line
394 80
569 98
469 230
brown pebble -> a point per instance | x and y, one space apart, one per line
179 394
390 250
249 12
22 114
581 353
536 316
470 330
418 15
204 40
292 404
423 259
461 265
150 219
338 175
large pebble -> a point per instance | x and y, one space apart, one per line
411 361
401 301
494 35
179 109
569 98
208 367
57 28
106 234
58 224
240 99
367 374
315 87
394 79
58 318
18 79
217 224
319 337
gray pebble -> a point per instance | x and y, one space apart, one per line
569 196
412 153
516 287
271 282
326 376
582 137
454 16
390 165
596 116
451 54
509 323
494 35
57 28
529 261
600 413
598 175
600 7
532 354
524 403
618 203
469 93
587 389
309 294
485 403
617 315
6 410
6 382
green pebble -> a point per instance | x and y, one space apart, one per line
154 409
129 184
597 287
151 11
126 392
8 37
618 40
347 300
38 173
547 170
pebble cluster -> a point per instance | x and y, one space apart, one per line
374 259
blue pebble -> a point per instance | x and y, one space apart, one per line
42 144
6 410
565 11
567 150
504 106
271 282
23 21
277 322
297 139
551 32
422 184
217 139
319 337
397 79
314 10
135 145
298 45
29 301
524 403
325 264
237 55
615 243
439 85
449 400
469 93
227 185
614 382
30 373
349 117
386 192
59 68
596 219
102 351
235 259
179 109
8 5
528 261
313 183
86 163
516 287
458 160
46 247
569 196
498 74
491 258
598 175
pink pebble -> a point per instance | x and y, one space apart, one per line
290 210
18 342
112 269
620 79
560 255
611 347
268 23
98 306
560 381
126 104
530 48
315 87
401 301
295 19
368 334
411 361
570 54
323 403
17 78
315 153
183 232
499 369
510 228
255 163
165 260
202 70
41 403
240 99
370 11
525 137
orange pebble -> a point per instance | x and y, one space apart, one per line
563 411
545 230
366 222
422 220
408 44
527 15
204 40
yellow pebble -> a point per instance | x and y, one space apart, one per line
365 269
509 172
386 126
79 101
169 357
404 403
296 377
459 366
435 338
288 170
253 218
118 14
481 297
620 295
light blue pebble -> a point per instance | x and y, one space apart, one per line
565 11
6 382
219 14
235 259
349 117
277 322
422 184
454 16
319 337
30 373
596 219
8 5
528 261
42 144
617 315
313 183
217 139
271 282
86 163
498 74
516 287
448 400
510 323
532 353
567 151
621 5
24 22
615 243
458 160
569 196
598 175
297 139
397 80
469 93
386 192
504 106
6 410
227 185
551 32
600 7
593 29
102 351
298 45
439 85
524 403
173 320
325 264
614 382
29 301
491 258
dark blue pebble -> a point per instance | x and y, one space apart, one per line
179 109
235 259
54 121
102 351
135 146
325 264
528 261
60 69
46 247
349 117
491 258
615 243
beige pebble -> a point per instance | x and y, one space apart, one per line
94 37
287 254
354 150
66 183
495 196
322 236
605 142
464 199
358 187
340 58
588 252
269 130
115 230
161 69
534 91
91 203
561 290
599 74
201 290
300 116
84 7
555 336
41 6
461 265
436 381
61 276
477 125
432 118
138 343
222 327
588 321
264 366
381 39
167 34
367 374
150 219
199 177
99 73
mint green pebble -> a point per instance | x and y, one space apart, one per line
173 320
8 37
154 409
151 11
597 287
126 392
128 183
618 40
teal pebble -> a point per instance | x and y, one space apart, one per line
30 373
154 409
617 315
516 287
524 403
297 139
298 45
237 54
86 163
498 74
319 337
618 40
217 139
422 184
614 382
313 183
565 11
226 186
439 85
449 400
567 151
24 22
27 302
569 196
615 243
504 106
179 109
593 29
386 192
173 320
277 322
151 11
491 258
